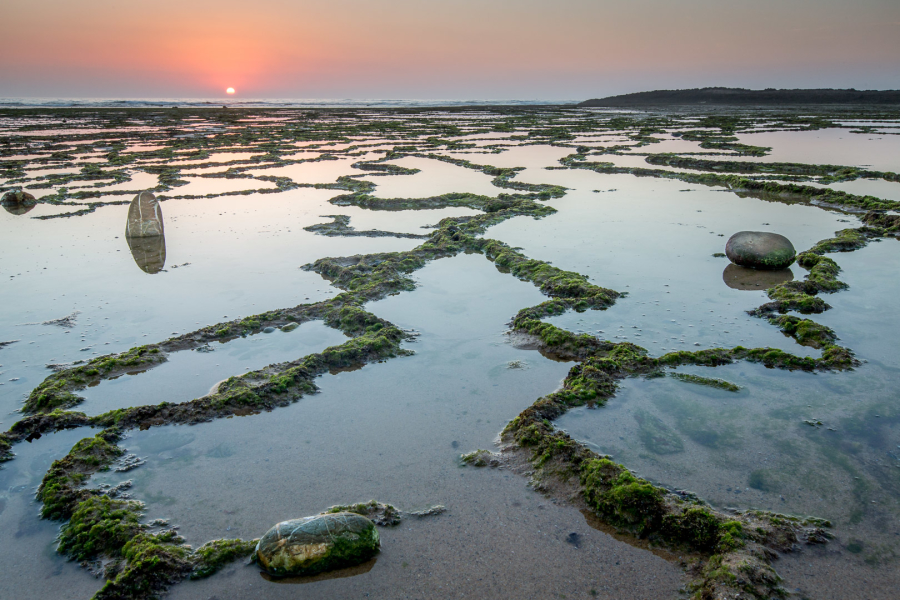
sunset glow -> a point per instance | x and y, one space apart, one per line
453 49
229 91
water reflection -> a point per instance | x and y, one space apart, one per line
145 233
149 253
18 209
338 574
742 278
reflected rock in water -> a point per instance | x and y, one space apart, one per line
144 217
744 278
149 252
145 233
17 202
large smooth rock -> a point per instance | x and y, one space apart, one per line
760 250
742 278
144 217
17 202
315 544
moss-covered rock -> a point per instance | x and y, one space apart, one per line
316 544
760 250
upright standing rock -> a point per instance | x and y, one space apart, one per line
145 234
760 250
144 217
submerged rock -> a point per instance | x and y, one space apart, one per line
760 250
312 545
17 202
144 217
743 278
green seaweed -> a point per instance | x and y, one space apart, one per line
707 381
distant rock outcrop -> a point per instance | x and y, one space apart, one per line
744 97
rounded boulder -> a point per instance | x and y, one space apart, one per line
760 250
17 198
312 545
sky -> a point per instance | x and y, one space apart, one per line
440 49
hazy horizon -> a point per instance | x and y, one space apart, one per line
458 49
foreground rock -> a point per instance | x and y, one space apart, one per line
144 217
312 545
760 250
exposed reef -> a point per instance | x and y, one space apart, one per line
732 551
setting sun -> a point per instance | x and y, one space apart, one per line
229 91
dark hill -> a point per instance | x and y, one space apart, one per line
744 97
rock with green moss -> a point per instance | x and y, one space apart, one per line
316 544
760 250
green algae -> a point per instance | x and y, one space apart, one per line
340 226
707 381
478 458
382 514
214 555
61 488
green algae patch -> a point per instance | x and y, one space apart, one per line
214 555
340 226
696 528
139 563
382 514
100 525
56 391
622 498
805 331
720 384
478 458
61 488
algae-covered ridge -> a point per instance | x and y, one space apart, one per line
733 550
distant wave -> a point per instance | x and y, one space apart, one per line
257 103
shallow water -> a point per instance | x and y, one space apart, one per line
394 430
191 374
828 147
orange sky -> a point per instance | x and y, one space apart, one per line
565 49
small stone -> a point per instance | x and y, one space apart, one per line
290 327
268 330
17 202
760 250
316 544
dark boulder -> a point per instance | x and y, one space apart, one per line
760 250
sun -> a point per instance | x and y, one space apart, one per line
229 91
